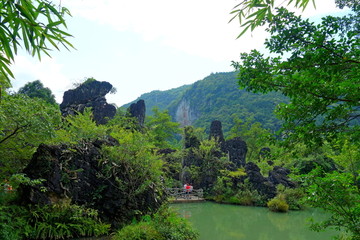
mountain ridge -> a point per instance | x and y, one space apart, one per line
216 97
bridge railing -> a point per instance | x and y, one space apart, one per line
181 193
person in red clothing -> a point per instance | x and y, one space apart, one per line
7 187
188 190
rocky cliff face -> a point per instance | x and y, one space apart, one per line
185 114
89 95
235 149
75 172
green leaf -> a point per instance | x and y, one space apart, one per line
244 31
4 67
25 13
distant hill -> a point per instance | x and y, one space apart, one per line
216 97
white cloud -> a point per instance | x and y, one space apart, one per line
48 71
197 28
143 45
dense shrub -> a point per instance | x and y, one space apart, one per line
234 200
250 198
140 231
225 191
61 221
49 222
278 204
13 222
164 225
293 197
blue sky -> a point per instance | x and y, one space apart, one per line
140 46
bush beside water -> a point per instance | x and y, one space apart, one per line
163 225
278 204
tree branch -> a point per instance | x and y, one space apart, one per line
15 132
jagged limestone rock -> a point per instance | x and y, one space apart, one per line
74 172
216 132
236 149
259 182
279 175
137 110
89 95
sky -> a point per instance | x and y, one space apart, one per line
140 46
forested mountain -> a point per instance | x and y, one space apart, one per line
216 97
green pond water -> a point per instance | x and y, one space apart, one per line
231 222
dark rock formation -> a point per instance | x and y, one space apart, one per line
165 151
137 110
279 175
259 182
216 132
75 172
236 150
191 141
89 95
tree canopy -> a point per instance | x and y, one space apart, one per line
162 129
317 67
36 89
24 124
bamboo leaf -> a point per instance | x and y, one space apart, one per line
233 18
25 36
53 24
6 47
61 32
4 67
25 13
243 31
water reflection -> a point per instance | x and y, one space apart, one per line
230 222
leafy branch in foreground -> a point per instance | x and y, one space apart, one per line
34 25
320 76
255 13
338 194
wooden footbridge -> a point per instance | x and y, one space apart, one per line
179 195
